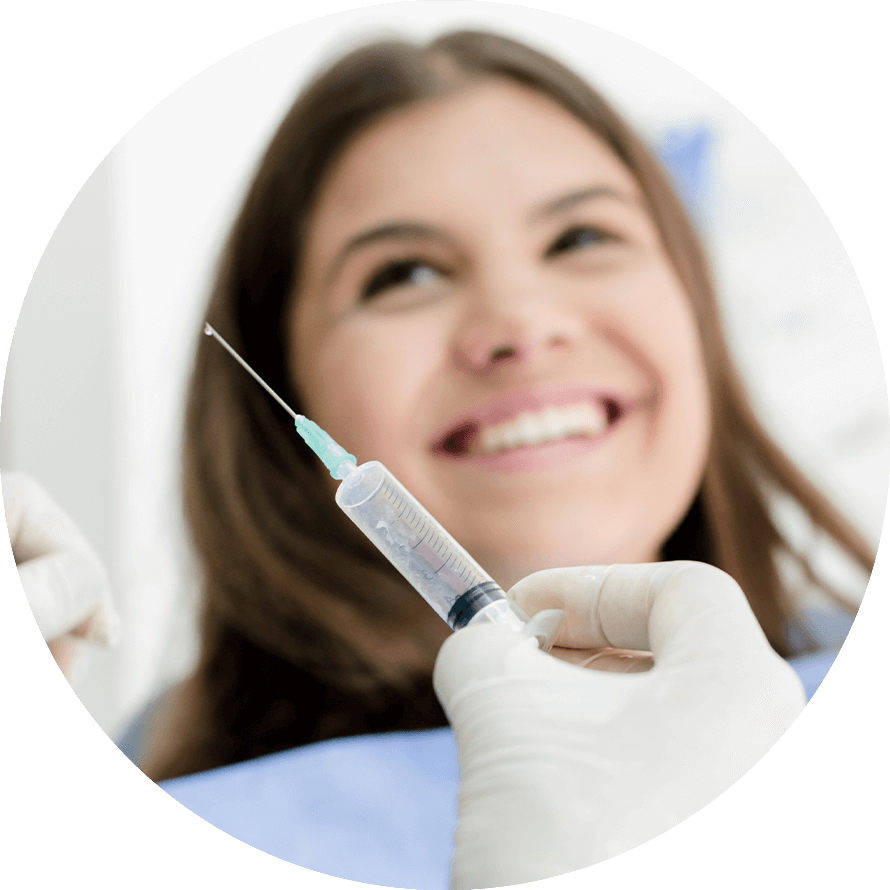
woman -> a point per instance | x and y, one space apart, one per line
438 241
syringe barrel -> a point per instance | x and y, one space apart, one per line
448 578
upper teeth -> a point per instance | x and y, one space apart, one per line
533 428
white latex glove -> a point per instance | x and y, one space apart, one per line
563 766
63 578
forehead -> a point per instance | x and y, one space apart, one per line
493 141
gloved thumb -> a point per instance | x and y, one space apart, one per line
487 655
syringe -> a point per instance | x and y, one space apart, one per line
444 574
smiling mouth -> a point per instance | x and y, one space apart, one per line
581 420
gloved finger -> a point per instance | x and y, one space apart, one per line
477 656
64 581
676 610
64 590
37 525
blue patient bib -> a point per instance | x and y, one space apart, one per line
379 808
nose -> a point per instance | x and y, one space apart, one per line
514 325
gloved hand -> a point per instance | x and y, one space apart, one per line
564 766
63 578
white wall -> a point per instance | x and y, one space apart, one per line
93 399
61 418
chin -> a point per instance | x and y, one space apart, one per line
527 554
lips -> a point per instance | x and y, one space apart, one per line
529 418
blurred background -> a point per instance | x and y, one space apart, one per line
93 396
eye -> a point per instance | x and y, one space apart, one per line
577 238
398 274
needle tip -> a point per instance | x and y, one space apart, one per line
208 330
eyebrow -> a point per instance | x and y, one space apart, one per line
406 231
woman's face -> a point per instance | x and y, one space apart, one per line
487 308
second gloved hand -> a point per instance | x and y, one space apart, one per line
563 766
64 581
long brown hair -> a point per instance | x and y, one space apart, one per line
307 633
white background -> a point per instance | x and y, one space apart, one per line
93 401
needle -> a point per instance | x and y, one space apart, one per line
210 332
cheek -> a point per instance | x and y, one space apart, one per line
664 331
661 326
685 411
368 383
